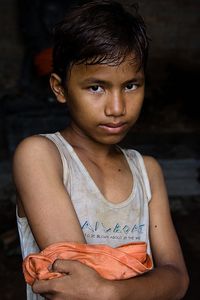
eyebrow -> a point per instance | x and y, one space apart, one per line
135 79
92 80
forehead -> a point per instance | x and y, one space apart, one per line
127 69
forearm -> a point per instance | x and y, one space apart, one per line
163 283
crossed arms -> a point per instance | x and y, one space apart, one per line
49 208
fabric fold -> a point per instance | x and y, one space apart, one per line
118 263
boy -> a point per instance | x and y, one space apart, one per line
77 185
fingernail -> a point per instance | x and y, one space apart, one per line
50 268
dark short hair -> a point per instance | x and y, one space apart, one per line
98 32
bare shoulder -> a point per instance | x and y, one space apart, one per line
36 151
35 157
156 178
153 168
34 144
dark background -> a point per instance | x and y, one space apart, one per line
168 127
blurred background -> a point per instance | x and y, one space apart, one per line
168 129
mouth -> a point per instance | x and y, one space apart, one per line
114 128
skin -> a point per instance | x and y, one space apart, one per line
104 102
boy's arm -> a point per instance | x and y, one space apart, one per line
42 197
168 280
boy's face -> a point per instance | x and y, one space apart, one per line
104 100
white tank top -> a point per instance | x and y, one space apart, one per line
102 222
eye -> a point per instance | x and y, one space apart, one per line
131 86
96 89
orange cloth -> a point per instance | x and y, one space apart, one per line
123 262
43 62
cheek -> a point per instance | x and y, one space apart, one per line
86 107
81 112
135 105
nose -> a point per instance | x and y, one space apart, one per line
115 105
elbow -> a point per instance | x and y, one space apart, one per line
179 282
184 284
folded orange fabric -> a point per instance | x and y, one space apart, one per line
123 262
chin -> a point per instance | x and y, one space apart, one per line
112 140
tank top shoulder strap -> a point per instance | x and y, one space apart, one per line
138 160
54 137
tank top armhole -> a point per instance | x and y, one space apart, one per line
144 175
53 138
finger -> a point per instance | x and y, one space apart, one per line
65 266
41 287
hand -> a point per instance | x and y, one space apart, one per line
79 283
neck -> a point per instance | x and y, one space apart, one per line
85 144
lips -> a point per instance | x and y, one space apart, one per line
114 125
113 128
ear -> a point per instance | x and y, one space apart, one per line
57 88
